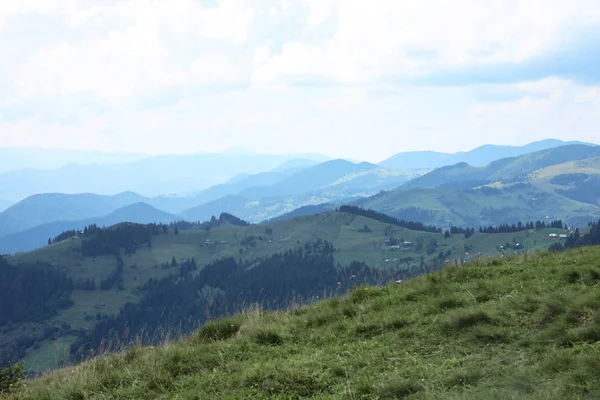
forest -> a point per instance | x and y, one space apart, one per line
29 292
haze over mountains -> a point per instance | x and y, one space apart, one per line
478 157
149 176
459 194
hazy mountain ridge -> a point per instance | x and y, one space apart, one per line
38 236
480 156
513 169
52 207
151 176
447 196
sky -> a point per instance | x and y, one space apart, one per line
346 78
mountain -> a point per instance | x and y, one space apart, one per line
53 207
17 158
150 177
234 186
310 179
4 204
272 190
336 180
506 193
229 204
478 157
295 164
525 327
38 236
463 175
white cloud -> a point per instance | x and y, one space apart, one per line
408 38
333 76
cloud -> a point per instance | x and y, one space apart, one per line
333 76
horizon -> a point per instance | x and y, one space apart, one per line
242 151
282 77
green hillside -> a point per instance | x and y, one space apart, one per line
507 170
488 205
568 191
514 328
346 232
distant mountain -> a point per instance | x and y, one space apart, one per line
525 188
304 210
463 175
53 207
295 164
234 186
150 177
4 204
35 237
228 204
17 158
478 157
310 179
330 181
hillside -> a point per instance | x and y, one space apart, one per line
463 175
355 239
478 157
38 236
488 205
54 207
506 191
4 205
518 328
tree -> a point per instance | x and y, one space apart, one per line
11 376
173 262
176 231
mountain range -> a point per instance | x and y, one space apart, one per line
558 183
153 176
481 156
504 191
37 236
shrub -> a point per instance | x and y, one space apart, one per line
268 337
11 376
221 329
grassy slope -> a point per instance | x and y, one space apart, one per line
516 328
339 228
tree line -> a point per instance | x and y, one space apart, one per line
576 239
519 227
368 213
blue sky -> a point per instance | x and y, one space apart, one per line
348 78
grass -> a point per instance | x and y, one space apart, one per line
515 328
